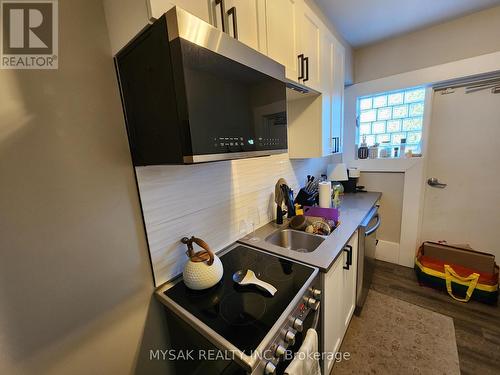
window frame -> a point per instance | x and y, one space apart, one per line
386 103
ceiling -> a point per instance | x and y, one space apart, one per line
362 22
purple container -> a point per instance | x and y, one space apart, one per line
327 213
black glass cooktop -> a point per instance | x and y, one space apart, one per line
243 315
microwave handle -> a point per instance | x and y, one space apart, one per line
232 12
222 14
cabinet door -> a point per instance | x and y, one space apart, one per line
198 8
327 59
244 20
280 31
349 281
338 95
309 35
333 318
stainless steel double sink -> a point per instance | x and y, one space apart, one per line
295 240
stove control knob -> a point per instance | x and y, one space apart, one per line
290 337
270 368
312 303
316 293
298 324
280 351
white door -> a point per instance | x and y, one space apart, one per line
464 153
280 32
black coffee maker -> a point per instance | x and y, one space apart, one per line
351 185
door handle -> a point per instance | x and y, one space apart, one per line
232 12
434 182
348 250
301 66
306 60
222 14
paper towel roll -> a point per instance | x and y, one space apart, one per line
325 194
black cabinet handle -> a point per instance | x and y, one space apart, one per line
222 14
232 12
306 59
336 145
348 250
301 66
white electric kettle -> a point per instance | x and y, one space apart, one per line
203 269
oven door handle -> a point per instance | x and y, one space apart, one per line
375 227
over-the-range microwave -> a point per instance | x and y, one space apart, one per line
193 94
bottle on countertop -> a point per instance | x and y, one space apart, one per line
373 151
363 149
402 148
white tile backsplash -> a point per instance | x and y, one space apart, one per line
214 201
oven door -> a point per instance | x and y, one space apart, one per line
311 321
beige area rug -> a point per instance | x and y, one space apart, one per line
396 337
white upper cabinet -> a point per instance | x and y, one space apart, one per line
338 97
327 51
199 8
309 30
241 20
281 34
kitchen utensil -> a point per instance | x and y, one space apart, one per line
305 198
203 269
279 198
248 277
299 222
288 198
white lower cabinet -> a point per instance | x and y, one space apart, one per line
339 300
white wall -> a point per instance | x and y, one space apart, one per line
391 207
465 37
75 279
415 168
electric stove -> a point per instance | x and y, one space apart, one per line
245 319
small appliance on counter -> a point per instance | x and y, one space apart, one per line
351 185
192 94
203 269
255 326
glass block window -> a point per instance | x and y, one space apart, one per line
390 117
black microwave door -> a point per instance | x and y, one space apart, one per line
231 107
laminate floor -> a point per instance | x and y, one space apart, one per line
477 326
